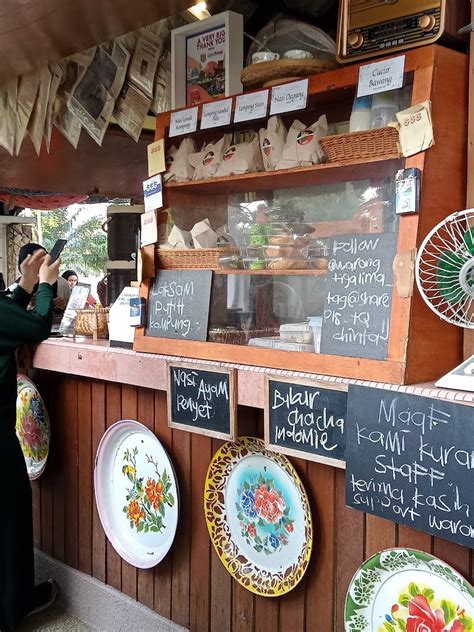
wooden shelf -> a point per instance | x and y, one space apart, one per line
327 173
274 272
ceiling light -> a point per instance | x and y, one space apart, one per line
200 11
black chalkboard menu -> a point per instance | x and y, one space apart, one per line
410 459
202 400
359 286
178 304
306 419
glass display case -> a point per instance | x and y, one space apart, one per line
317 274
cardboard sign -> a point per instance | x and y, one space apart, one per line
202 400
149 228
156 157
410 459
216 114
178 304
249 107
77 300
306 419
359 289
381 76
289 97
183 122
153 193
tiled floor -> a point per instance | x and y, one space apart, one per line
53 620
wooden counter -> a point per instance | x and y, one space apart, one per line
87 387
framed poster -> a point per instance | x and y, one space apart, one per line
206 60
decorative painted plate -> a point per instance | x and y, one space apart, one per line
136 493
402 590
32 426
258 517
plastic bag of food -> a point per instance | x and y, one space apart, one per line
207 161
272 142
242 158
302 146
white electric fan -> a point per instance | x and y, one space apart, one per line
445 269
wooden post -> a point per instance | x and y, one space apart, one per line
469 333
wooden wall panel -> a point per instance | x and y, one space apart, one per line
191 586
99 545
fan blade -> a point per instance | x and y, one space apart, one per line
469 240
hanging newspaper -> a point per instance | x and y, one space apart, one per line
98 84
56 76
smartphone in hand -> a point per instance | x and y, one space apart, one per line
57 249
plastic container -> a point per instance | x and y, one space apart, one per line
232 262
286 263
361 115
384 108
297 332
316 324
293 251
253 263
251 252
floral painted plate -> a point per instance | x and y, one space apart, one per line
32 426
402 590
258 517
136 493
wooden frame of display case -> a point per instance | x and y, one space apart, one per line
421 346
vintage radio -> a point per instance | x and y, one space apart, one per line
373 27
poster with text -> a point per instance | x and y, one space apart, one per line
205 66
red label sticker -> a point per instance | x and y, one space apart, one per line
267 147
229 153
305 137
208 158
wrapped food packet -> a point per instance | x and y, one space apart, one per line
302 146
169 160
207 161
181 169
203 235
242 158
272 142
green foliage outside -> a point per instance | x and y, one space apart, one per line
86 250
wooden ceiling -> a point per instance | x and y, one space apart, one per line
34 32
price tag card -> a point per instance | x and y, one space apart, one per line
216 114
289 97
149 226
249 107
382 76
156 157
183 122
153 193
416 129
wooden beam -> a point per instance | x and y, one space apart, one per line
35 32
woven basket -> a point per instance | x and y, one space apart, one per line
92 322
183 258
380 144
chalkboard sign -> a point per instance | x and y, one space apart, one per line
306 419
202 400
410 459
359 286
178 304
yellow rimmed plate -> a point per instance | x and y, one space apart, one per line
258 516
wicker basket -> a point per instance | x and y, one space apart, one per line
183 258
92 322
374 144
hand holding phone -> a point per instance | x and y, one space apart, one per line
57 249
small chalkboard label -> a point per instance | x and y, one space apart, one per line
178 304
306 419
410 459
202 400
358 304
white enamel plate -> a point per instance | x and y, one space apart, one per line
403 590
136 492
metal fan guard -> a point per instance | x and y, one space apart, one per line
457 278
